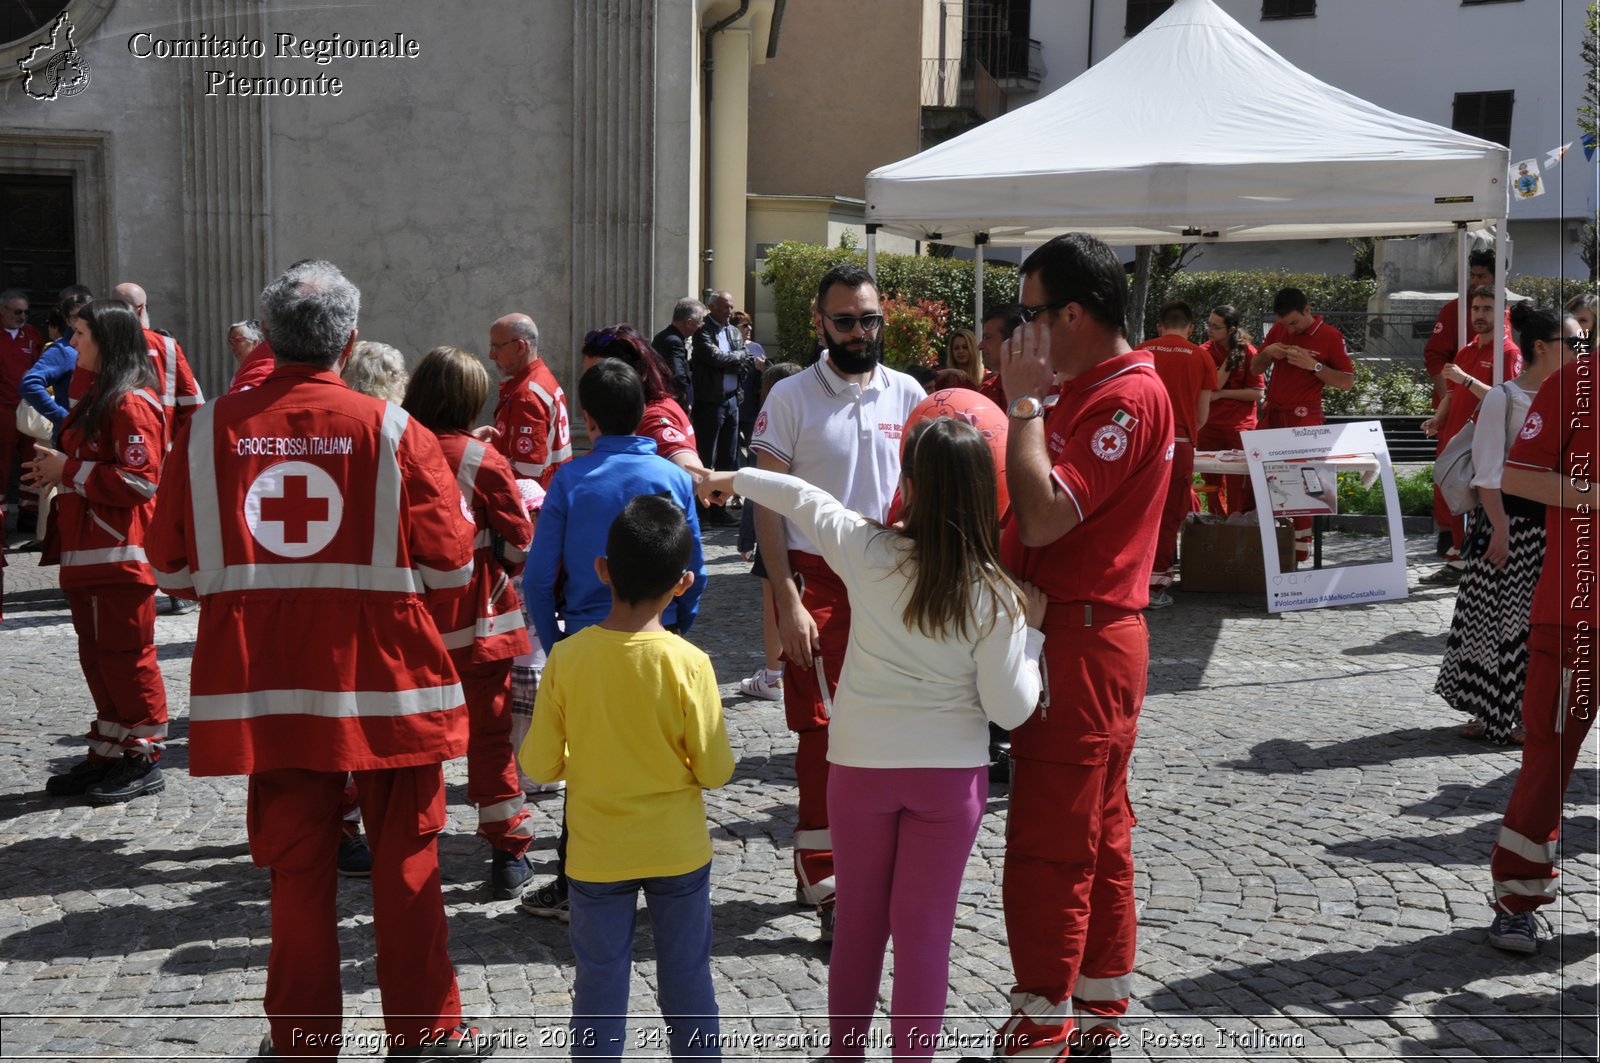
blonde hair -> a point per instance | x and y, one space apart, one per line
376 369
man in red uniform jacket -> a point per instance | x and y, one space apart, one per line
310 517
20 346
1190 377
1306 355
1088 476
1552 461
1469 377
175 383
531 425
1446 337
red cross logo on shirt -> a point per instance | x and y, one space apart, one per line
294 509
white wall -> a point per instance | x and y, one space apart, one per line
1411 56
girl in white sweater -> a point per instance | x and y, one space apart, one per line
941 642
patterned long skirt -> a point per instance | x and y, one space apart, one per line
1486 657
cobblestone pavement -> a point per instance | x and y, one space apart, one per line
1312 854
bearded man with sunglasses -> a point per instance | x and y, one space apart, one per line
836 425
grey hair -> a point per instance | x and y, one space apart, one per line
687 309
309 313
14 293
250 329
377 369
526 329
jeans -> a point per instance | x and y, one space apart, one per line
602 939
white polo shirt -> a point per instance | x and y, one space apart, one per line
839 436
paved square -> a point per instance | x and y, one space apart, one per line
1312 847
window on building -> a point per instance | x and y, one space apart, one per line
1143 12
1288 8
1484 114
19 18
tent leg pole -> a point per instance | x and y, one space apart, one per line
1501 254
872 250
978 243
1462 295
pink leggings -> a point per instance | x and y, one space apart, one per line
901 837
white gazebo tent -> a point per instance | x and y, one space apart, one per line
1195 131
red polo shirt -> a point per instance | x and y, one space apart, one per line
17 355
1110 440
1562 433
1234 414
665 422
1289 385
1478 361
1186 371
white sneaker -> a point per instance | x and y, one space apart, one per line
756 686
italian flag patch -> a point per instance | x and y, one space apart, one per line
1122 420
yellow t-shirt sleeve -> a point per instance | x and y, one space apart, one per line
705 735
544 751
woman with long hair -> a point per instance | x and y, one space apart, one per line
484 630
1485 665
962 353
942 641
112 443
1233 404
664 420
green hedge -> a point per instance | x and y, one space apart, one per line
1400 390
1415 489
1251 291
793 271
1549 291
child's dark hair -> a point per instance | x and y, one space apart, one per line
611 392
774 373
647 548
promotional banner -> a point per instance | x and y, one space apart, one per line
1295 472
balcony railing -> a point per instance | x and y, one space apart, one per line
941 82
1011 60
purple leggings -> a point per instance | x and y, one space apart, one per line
901 837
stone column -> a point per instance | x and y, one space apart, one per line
729 163
613 164
227 252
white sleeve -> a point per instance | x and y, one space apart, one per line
1489 443
778 424
840 534
1008 670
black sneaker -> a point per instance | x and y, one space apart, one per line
180 606
355 859
549 901
1514 932
507 875
1448 576
77 779
130 777
466 1041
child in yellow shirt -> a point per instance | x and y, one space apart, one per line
629 716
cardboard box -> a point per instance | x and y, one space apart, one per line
1227 557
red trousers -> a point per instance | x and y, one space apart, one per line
492 782
1230 496
16 450
1295 417
116 625
1068 891
1556 722
294 828
807 712
1180 503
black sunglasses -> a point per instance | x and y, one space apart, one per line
1029 313
1576 343
848 322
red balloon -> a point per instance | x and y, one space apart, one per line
978 410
